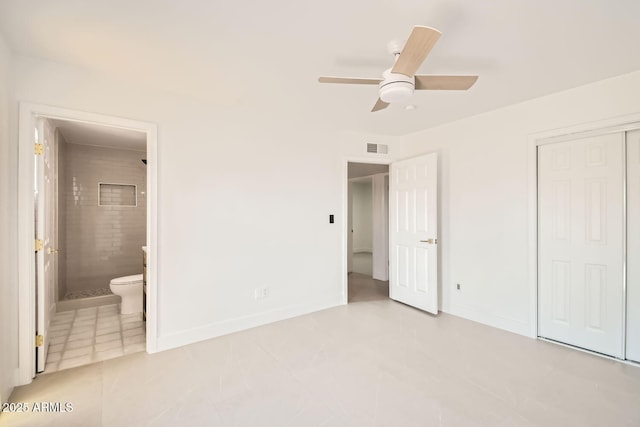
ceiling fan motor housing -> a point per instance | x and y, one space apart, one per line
396 87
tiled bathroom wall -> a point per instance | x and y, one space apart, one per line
105 241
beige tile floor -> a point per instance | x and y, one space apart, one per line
373 362
88 335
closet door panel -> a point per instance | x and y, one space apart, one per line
633 245
581 242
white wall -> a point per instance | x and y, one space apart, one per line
8 266
362 216
484 195
241 189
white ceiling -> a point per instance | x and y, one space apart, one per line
100 135
268 55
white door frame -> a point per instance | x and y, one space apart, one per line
617 124
26 271
345 213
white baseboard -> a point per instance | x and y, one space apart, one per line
225 327
480 316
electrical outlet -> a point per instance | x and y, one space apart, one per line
260 293
458 286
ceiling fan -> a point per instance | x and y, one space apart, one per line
398 83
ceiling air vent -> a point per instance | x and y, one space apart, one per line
377 148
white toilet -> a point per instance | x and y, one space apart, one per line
130 290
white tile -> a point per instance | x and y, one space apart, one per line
50 367
107 330
373 362
80 336
75 361
83 328
76 352
108 337
128 318
58 340
78 343
102 324
84 322
108 345
133 340
53 357
133 332
132 325
135 347
53 348
108 354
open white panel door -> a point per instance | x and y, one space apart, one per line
44 226
413 234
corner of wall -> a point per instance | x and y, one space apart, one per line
8 214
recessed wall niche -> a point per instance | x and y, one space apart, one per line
117 195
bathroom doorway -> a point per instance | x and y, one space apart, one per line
367 231
96 177
93 209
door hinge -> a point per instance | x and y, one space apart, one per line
39 340
38 245
39 149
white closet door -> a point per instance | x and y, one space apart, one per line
633 245
581 236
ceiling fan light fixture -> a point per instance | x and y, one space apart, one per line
396 87
396 92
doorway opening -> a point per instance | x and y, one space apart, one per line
88 211
367 231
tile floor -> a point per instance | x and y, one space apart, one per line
373 362
88 335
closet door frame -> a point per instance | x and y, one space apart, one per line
602 127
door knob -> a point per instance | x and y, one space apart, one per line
430 241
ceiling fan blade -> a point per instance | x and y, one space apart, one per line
349 80
380 105
425 82
418 46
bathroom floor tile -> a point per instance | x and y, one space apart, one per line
134 339
109 345
79 336
54 348
134 348
132 325
77 352
107 330
89 335
75 361
133 332
51 367
108 354
78 343
54 357
108 337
